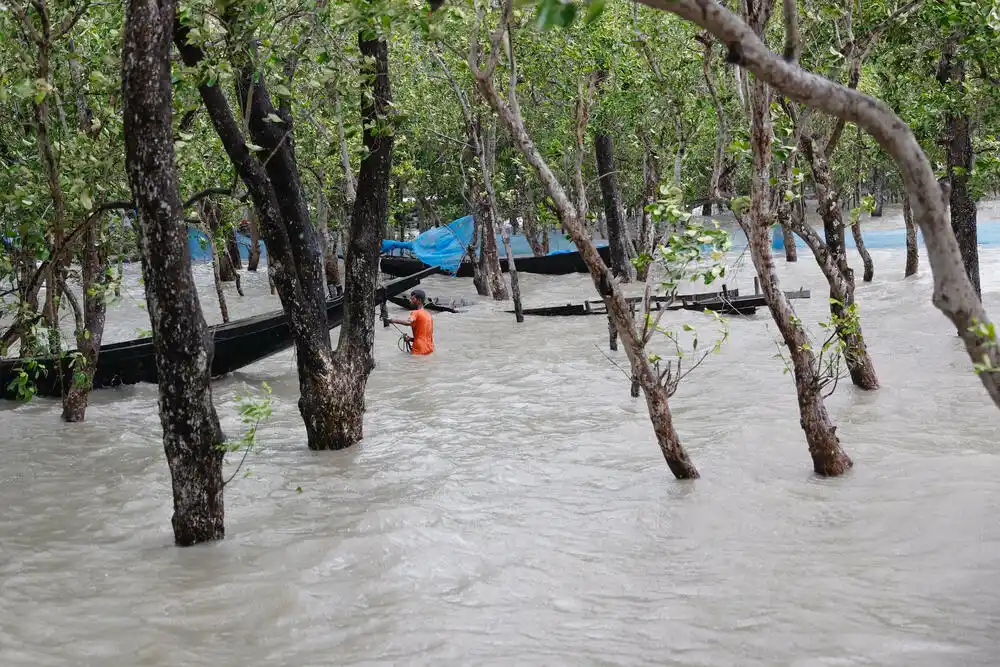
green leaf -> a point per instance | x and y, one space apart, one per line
594 11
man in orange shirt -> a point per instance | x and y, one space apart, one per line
420 321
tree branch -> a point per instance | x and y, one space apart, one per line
70 21
953 294
74 304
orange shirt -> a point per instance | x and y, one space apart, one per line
423 332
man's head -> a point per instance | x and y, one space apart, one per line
418 298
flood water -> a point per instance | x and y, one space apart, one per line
509 506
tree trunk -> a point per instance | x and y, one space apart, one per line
912 253
824 447
573 218
791 252
233 248
342 409
958 147
253 258
841 282
878 190
953 294
515 286
537 237
207 215
651 185
222 263
331 264
859 239
88 337
295 260
828 456
479 279
331 259
486 207
866 258
721 135
183 344
786 210
611 195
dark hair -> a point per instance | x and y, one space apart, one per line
419 294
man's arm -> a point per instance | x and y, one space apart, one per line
405 323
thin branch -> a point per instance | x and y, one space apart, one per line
208 192
70 21
74 304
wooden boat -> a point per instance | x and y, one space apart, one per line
552 265
237 344
431 305
596 306
728 302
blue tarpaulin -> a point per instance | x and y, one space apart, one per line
447 246
198 246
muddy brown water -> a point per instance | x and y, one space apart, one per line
509 506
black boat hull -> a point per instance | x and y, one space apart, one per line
237 344
551 265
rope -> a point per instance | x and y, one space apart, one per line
403 342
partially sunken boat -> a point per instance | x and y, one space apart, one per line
448 248
237 344
728 302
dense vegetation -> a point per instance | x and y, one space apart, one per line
322 127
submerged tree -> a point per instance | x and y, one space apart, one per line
954 295
572 215
192 437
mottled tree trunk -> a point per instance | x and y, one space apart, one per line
343 409
90 334
912 252
331 259
611 196
191 432
958 148
331 265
